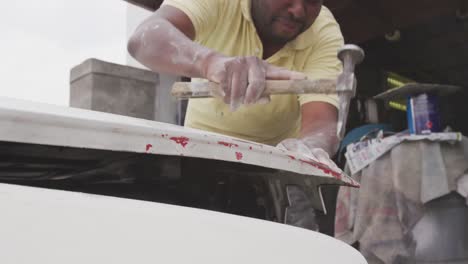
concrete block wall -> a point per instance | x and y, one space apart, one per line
112 88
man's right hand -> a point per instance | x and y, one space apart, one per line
242 79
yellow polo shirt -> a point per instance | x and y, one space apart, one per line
227 27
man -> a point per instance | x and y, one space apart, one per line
240 44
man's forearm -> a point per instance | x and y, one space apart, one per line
318 129
321 135
161 47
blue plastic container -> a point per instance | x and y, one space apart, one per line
423 114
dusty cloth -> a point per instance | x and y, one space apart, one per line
381 214
226 26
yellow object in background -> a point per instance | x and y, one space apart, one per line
397 105
395 81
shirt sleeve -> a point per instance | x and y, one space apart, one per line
204 14
323 62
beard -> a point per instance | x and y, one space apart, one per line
277 29
285 28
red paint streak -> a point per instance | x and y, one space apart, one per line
323 168
227 144
148 147
183 141
292 157
239 156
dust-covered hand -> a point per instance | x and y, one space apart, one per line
242 79
310 147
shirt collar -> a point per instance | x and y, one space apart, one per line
301 42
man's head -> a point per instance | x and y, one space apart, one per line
280 21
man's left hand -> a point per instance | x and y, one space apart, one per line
307 149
